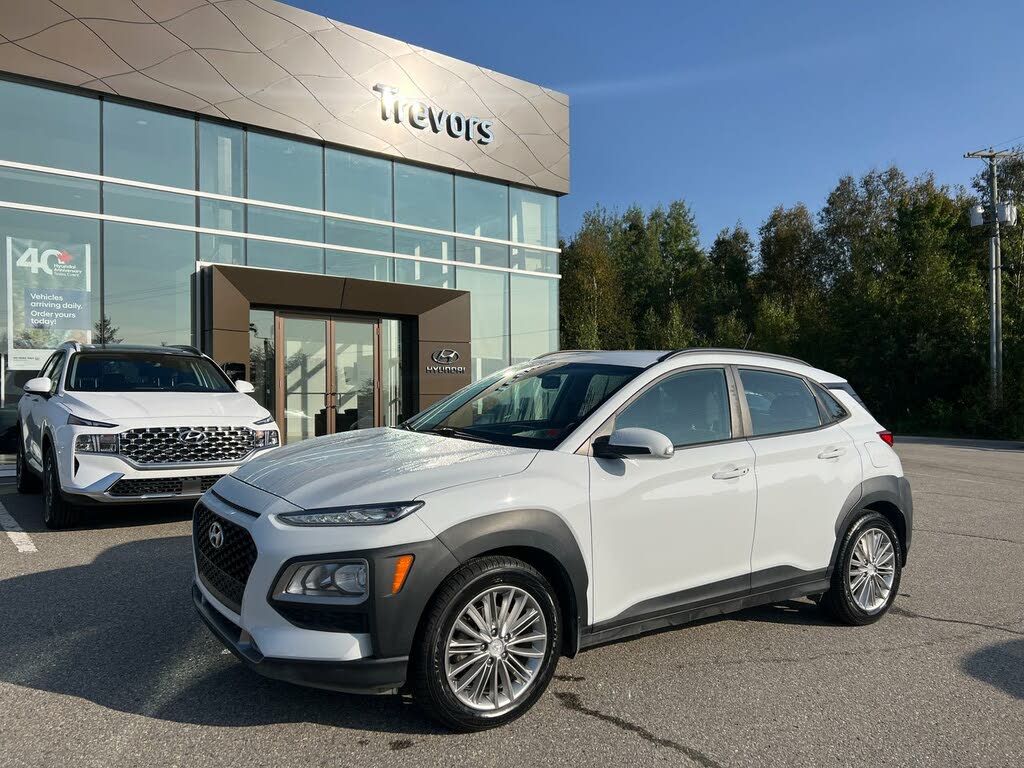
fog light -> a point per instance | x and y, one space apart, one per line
94 443
342 580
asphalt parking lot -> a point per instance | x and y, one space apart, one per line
103 662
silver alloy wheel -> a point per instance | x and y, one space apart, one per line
495 649
872 569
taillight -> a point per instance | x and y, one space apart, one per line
886 436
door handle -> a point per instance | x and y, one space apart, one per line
731 473
832 453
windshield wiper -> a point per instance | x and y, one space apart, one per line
452 432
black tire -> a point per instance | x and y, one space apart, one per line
839 602
27 480
428 677
58 512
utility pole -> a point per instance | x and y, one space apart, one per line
995 213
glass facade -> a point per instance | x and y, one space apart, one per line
280 203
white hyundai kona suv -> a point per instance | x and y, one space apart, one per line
573 500
116 423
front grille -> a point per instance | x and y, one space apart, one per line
224 569
186 445
164 486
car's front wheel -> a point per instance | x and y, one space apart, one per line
27 482
489 645
58 512
867 573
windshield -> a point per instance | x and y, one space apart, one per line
535 406
144 372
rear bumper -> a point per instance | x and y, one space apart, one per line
367 675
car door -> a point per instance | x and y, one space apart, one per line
33 411
669 532
805 466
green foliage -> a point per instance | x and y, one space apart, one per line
886 285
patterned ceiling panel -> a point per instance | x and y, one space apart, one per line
268 64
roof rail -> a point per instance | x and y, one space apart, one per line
698 350
186 348
72 345
563 352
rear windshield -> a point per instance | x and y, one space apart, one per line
144 372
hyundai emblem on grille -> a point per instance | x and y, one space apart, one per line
193 436
216 535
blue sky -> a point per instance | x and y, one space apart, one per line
738 107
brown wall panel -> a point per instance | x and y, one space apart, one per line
438 383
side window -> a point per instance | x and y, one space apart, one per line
835 411
688 408
778 402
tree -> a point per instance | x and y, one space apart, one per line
105 332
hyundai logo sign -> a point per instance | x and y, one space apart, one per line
193 436
445 360
216 535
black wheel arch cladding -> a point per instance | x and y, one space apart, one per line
888 495
527 531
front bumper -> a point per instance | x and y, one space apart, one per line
366 675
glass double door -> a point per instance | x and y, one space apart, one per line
327 375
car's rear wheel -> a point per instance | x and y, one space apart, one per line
867 573
58 512
489 645
27 481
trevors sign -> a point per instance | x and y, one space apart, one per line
423 116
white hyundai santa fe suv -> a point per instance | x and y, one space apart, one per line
117 423
573 500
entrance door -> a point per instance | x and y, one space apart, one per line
327 375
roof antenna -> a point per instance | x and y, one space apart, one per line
748 339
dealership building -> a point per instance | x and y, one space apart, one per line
359 224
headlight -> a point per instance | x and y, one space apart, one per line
267 438
93 443
80 422
264 420
361 514
344 579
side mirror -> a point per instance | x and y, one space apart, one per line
634 441
37 386
244 387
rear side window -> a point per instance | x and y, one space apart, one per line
833 409
778 402
688 408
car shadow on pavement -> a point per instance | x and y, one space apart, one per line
1000 665
122 632
27 509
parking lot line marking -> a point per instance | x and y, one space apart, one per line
20 539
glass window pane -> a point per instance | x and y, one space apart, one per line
534 316
481 208
146 145
359 235
425 273
221 159
221 250
535 261
358 184
147 283
475 252
534 217
46 189
297 226
261 356
424 198
285 171
48 127
392 386
488 295
778 403
689 408
146 204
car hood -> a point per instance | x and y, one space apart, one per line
378 465
166 406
